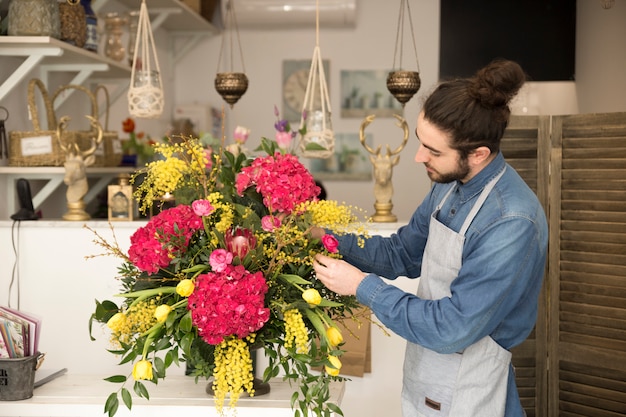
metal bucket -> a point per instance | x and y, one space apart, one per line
17 377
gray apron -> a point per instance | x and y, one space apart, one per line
466 384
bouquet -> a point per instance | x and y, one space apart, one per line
229 270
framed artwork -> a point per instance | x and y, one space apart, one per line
350 161
365 92
295 80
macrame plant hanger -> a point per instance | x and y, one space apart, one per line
145 94
318 141
403 84
231 85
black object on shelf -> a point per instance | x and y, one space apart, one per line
26 211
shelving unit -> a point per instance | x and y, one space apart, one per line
50 55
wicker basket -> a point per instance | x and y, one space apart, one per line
112 146
37 147
83 138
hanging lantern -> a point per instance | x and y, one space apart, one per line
231 85
145 94
403 84
318 139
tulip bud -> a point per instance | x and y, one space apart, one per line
334 336
162 312
117 321
336 363
185 288
142 370
312 296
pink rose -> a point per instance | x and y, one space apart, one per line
269 223
330 243
283 139
202 207
220 259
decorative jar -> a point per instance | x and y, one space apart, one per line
113 24
34 18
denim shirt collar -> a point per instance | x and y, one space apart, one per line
478 182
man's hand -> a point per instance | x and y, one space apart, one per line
337 275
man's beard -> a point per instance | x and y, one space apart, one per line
460 173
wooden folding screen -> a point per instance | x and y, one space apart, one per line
587 274
526 147
574 362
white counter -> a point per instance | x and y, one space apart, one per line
85 395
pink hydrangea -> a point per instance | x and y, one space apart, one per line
241 308
282 181
166 236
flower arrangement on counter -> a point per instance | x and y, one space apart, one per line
229 270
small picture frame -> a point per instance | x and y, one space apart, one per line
120 202
364 92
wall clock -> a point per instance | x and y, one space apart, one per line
295 80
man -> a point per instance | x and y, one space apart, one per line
478 243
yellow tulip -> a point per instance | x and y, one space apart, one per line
162 312
117 321
142 370
312 297
336 363
334 336
185 288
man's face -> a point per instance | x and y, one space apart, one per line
443 164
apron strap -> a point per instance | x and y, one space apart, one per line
479 203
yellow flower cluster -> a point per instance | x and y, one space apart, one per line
225 210
232 372
136 320
340 218
181 163
284 236
296 331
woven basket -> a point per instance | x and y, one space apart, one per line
82 138
37 147
112 146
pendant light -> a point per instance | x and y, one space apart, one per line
318 140
231 85
145 94
403 84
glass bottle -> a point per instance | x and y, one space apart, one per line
113 24
91 43
133 25
34 18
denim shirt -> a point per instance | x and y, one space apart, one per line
496 290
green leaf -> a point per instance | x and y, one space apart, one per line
293 279
185 324
127 398
328 303
118 379
140 389
160 366
317 323
334 408
112 404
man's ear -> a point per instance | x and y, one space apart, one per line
480 155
